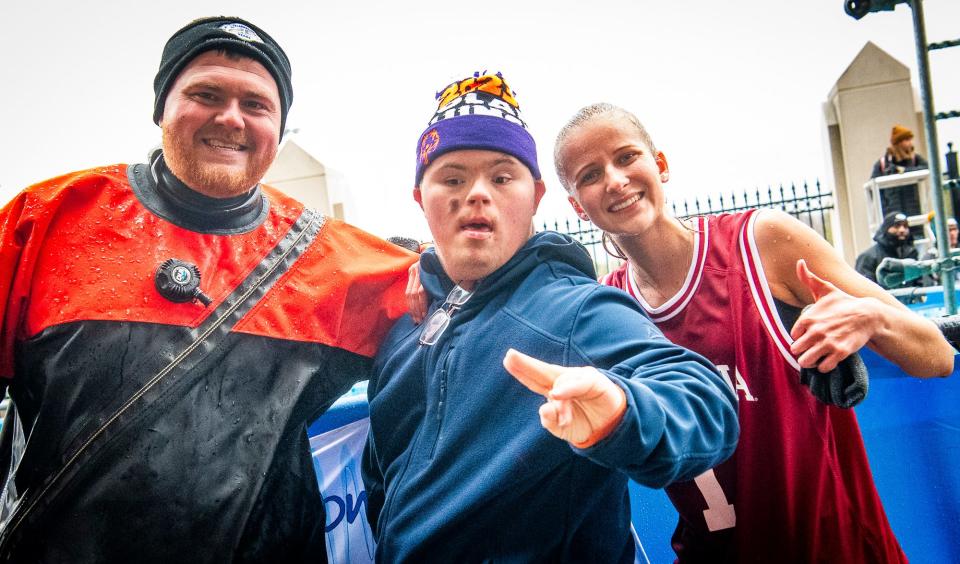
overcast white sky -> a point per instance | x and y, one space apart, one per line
731 91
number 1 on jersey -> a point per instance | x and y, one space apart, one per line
719 513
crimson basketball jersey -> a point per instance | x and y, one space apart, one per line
798 488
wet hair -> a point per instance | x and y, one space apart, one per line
586 115
407 243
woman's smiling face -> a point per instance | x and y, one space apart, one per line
615 179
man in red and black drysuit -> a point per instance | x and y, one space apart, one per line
170 328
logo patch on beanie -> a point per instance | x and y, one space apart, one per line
241 32
428 144
479 95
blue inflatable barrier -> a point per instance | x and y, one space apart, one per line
911 428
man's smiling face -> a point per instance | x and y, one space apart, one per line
221 124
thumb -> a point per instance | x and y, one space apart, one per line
535 374
817 286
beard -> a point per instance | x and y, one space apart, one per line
213 179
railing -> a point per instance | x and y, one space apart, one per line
809 204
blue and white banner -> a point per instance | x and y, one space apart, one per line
336 442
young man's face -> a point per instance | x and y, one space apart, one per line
900 230
479 206
221 124
952 232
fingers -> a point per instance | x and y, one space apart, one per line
824 358
817 286
801 342
825 364
416 296
549 416
796 332
829 363
555 417
564 412
583 405
579 383
536 375
423 302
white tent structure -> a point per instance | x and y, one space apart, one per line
302 176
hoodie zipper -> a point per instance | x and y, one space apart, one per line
443 395
442 399
443 363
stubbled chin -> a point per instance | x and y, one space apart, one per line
465 264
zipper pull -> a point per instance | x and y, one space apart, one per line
443 393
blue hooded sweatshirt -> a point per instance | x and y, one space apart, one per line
458 467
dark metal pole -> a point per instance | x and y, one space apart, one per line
947 277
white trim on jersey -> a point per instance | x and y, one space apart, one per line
678 301
760 290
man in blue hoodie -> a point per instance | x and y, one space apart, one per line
478 452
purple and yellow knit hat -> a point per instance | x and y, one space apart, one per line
478 112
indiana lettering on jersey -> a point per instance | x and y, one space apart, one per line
738 384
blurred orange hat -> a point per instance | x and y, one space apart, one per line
900 133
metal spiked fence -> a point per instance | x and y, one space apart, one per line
809 203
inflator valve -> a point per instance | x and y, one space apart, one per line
179 282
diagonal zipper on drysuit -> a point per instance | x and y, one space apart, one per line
308 229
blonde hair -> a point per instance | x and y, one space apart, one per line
586 115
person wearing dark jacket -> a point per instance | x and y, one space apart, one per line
893 239
899 157
480 453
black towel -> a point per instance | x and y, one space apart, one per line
845 386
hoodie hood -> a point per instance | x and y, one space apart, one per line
887 240
542 247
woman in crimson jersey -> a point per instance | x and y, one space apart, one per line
798 488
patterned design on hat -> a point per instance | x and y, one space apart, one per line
428 144
241 32
476 113
492 84
486 94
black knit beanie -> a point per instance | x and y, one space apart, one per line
230 34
